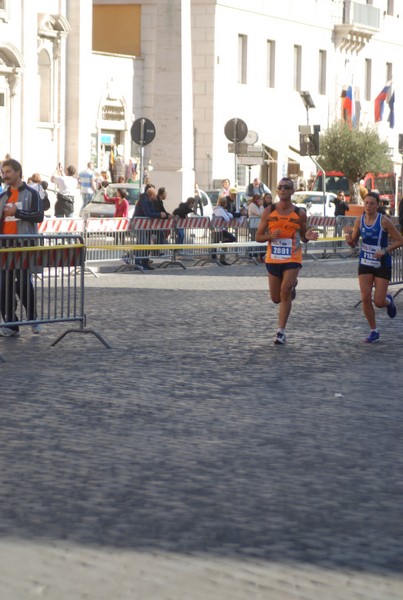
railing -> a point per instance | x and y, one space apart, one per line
356 13
42 282
194 237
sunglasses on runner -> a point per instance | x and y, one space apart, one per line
284 187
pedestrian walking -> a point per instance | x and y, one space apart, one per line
67 186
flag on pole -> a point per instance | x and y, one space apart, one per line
386 95
348 106
391 103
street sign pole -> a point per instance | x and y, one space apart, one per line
235 131
142 133
142 121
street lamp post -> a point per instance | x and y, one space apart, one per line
308 103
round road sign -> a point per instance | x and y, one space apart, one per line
235 130
142 131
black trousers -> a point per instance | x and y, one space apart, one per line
13 284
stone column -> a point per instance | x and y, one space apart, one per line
168 99
78 121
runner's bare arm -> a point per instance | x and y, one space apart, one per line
306 234
353 237
262 233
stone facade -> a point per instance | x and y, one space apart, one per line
187 81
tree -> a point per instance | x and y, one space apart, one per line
354 152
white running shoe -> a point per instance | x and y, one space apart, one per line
8 332
37 328
280 338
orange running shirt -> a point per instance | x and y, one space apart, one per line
286 248
10 223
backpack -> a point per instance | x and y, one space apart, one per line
45 202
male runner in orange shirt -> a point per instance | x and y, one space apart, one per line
284 227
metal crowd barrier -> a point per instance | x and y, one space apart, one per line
42 282
140 239
149 233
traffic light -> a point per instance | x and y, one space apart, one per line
309 140
315 143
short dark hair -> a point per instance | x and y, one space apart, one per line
122 192
287 179
14 164
148 186
161 191
374 194
44 185
70 170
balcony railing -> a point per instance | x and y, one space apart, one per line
361 15
359 23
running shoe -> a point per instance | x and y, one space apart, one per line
373 337
280 338
391 308
36 328
293 291
8 332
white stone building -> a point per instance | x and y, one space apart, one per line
75 74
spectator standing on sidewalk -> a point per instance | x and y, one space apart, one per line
221 234
67 186
159 206
120 202
340 209
21 210
225 189
267 200
182 212
145 208
340 205
284 227
400 213
379 238
257 187
87 183
38 185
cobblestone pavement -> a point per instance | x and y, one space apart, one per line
196 459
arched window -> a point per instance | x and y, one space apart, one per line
45 86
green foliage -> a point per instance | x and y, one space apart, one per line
355 152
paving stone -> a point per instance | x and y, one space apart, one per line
196 459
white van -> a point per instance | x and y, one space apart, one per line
204 207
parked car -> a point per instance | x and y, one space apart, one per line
313 203
213 195
204 208
98 208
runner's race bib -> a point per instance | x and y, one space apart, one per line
281 248
368 256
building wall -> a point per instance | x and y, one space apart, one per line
186 81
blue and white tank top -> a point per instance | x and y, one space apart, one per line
374 238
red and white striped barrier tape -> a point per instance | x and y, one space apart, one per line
221 222
193 223
146 223
58 225
107 225
321 221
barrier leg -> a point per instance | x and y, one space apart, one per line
174 262
2 359
82 330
